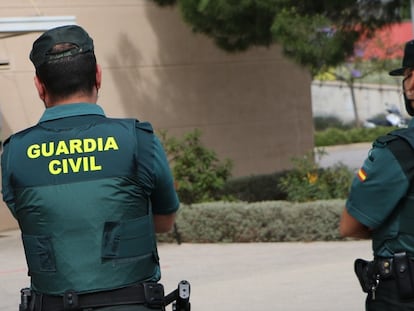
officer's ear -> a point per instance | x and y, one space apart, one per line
98 77
41 90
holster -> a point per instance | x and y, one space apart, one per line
26 300
365 272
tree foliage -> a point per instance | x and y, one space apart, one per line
316 34
363 63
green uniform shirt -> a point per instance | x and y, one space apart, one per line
83 188
375 193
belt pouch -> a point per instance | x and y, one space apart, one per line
402 272
154 295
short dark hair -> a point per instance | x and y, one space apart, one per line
68 75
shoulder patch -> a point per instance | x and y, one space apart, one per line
362 175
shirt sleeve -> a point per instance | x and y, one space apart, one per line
7 190
377 188
164 196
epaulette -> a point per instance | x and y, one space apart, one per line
6 141
382 141
145 126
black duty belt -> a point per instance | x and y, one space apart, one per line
149 294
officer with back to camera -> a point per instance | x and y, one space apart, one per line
89 192
381 207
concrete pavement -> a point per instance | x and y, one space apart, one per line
314 276
352 155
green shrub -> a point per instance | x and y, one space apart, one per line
272 221
198 173
305 182
335 136
308 182
331 136
324 122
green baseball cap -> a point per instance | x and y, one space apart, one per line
42 47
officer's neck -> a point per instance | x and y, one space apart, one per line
76 98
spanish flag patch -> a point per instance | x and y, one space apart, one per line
362 175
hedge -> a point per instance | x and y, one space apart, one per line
270 221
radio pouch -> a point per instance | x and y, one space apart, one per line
402 272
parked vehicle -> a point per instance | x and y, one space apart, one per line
392 117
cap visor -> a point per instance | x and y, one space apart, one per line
397 72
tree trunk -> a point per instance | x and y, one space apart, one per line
358 122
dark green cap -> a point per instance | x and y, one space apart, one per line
41 51
408 60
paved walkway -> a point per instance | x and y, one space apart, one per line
352 155
313 276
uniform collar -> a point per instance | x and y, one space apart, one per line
70 110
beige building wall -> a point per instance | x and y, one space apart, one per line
252 107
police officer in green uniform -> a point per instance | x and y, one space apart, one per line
88 191
380 207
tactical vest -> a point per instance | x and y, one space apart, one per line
397 233
82 203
